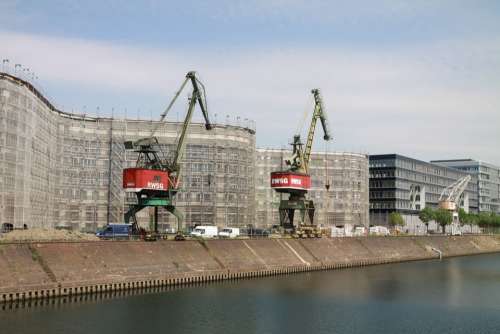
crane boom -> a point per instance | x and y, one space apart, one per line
453 192
197 96
201 100
301 157
319 112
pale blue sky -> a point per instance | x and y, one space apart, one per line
420 78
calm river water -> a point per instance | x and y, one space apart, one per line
459 295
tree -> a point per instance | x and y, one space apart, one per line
484 220
395 219
443 217
462 216
466 218
426 215
472 220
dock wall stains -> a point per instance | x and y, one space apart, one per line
53 269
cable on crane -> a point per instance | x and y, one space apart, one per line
305 115
327 150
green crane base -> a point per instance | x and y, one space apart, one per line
287 213
156 203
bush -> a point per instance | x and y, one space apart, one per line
395 219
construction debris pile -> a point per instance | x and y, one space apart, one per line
46 235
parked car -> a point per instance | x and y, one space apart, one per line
229 232
206 232
113 231
257 232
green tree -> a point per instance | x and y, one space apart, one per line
443 217
484 220
472 219
426 215
462 216
494 222
465 218
395 219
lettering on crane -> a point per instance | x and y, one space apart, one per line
156 184
296 182
279 181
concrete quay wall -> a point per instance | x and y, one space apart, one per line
51 269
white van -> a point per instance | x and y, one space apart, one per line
229 232
205 231
379 230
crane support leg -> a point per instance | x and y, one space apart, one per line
180 218
287 213
131 214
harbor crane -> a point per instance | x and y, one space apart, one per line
450 196
154 180
296 180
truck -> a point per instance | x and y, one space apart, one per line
229 232
205 232
113 231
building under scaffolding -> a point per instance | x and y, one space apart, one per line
344 202
64 170
59 169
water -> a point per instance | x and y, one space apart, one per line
459 295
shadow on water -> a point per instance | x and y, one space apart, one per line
97 298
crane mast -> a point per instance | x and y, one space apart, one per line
155 181
296 180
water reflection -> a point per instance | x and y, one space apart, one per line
459 295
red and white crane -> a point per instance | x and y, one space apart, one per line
296 180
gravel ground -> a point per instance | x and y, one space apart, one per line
46 235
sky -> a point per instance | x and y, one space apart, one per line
418 78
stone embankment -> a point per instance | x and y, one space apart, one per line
51 269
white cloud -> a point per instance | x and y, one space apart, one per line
432 101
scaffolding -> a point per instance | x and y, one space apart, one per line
344 202
64 170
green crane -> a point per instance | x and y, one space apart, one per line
155 181
296 180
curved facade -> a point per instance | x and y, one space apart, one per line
345 202
65 170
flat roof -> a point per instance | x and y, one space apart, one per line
455 160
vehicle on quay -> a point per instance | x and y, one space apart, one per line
359 231
206 232
115 231
255 232
229 232
379 230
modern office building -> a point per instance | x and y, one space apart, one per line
345 202
488 181
61 169
405 185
